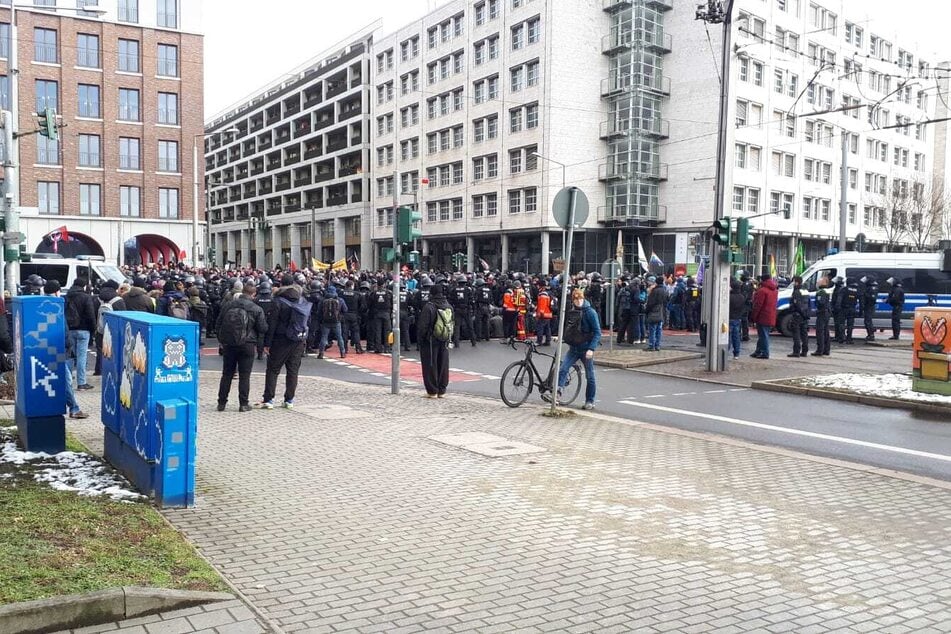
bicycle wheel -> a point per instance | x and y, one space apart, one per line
569 393
516 384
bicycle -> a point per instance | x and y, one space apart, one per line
520 377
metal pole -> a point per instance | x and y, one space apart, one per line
563 307
11 126
313 234
719 278
395 349
844 192
195 239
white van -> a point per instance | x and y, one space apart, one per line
922 275
50 266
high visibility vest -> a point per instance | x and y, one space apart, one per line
521 301
543 310
508 300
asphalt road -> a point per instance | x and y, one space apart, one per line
885 438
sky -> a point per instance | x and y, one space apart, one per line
249 44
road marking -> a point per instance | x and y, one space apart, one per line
740 389
491 377
683 393
794 432
714 391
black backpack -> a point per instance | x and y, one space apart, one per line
299 319
330 310
73 320
574 328
235 325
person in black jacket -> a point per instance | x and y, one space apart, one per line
433 354
238 348
138 298
281 350
823 312
799 306
108 300
737 310
896 299
81 324
268 305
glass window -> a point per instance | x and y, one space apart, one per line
47 196
168 156
129 56
167 13
4 92
168 108
89 155
167 60
44 45
129 153
515 201
129 105
168 203
4 40
87 50
129 11
89 200
129 201
46 95
89 101
47 151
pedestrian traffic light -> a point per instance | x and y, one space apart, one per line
742 232
391 255
406 230
722 230
48 124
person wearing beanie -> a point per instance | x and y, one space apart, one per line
433 349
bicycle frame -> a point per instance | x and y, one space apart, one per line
544 385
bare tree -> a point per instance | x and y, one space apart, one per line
890 214
927 212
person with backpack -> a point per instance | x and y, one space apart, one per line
582 333
173 302
80 324
52 289
285 341
197 312
332 308
241 326
269 306
108 300
434 332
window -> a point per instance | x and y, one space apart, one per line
515 161
480 14
515 201
129 11
44 45
4 92
534 31
47 151
129 201
854 35
129 154
46 95
518 37
531 116
784 164
4 40
517 78
485 167
780 202
167 60
458 136
89 101
89 154
740 155
168 156
168 108
87 50
785 123
515 120
168 203
89 200
748 196
47 196
167 14
129 56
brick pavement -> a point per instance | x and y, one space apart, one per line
227 617
352 519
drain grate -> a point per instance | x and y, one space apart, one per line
487 444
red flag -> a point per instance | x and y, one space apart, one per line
181 256
56 236
293 266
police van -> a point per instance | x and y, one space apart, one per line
51 266
922 276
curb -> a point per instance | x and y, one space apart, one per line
96 608
640 363
778 385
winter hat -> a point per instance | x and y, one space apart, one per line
577 294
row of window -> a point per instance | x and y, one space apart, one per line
166 11
523 200
130 153
90 200
89 101
749 156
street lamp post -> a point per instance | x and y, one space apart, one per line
195 240
563 185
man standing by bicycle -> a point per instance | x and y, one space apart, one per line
583 336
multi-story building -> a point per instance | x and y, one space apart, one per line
126 82
286 169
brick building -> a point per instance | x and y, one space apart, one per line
127 85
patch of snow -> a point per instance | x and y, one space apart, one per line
892 386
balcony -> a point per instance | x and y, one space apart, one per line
283 185
661 5
334 201
303 178
655 128
264 142
632 171
250 190
265 187
312 151
292 106
349 170
613 6
633 215
616 84
618 41
257 124
312 97
336 143
257 168
273 115
323 176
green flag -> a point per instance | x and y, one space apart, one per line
799 264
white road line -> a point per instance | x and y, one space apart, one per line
378 374
683 393
794 432
491 378
740 389
653 396
714 391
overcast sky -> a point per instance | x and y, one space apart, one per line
249 44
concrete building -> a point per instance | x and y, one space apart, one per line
127 85
286 169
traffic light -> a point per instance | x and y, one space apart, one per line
722 230
742 232
391 255
48 124
414 259
406 230
23 255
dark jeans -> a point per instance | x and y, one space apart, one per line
240 358
822 334
509 318
284 354
625 328
735 338
325 333
762 341
640 327
572 356
434 358
543 331
800 334
896 323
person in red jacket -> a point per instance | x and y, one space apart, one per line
764 315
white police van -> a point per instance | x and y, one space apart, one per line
922 275
51 266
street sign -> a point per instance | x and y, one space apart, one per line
558 265
610 270
14 237
561 207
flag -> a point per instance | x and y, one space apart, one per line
56 236
656 261
292 266
317 265
641 257
799 264
772 265
339 265
619 251
483 264
354 262
701 271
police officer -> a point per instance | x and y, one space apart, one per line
482 296
265 300
869 303
692 305
838 309
799 307
896 299
850 305
315 295
623 309
380 324
364 290
746 288
823 311
405 316
461 299
351 319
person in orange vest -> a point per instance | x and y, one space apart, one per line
543 315
521 305
509 313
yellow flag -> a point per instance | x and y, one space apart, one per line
317 265
772 265
340 265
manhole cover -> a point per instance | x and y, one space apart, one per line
487 444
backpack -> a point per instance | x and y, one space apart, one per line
299 319
235 325
444 324
574 328
178 308
330 311
104 307
73 320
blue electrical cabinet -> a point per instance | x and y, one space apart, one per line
150 402
39 334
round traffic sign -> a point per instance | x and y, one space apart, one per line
561 207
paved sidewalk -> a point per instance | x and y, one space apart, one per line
344 516
228 617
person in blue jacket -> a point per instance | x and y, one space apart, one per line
581 345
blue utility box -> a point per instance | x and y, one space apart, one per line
39 334
150 402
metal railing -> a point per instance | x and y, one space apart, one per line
633 214
128 162
44 53
168 19
168 116
129 113
624 171
90 159
658 128
89 109
87 58
129 11
167 164
619 40
621 83
128 63
168 67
